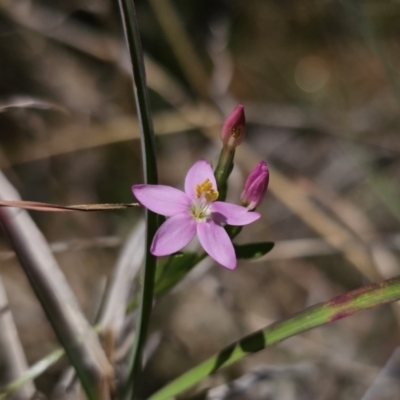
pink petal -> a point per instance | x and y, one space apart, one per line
174 234
234 127
217 243
196 175
232 214
255 186
164 200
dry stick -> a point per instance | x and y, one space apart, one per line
120 129
38 206
128 265
268 374
103 47
384 260
284 249
302 206
112 316
355 220
12 357
68 386
181 46
298 201
101 242
387 383
56 297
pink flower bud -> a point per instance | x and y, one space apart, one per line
255 186
233 130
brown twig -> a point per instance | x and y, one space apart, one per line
38 206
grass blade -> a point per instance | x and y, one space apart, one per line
128 14
340 307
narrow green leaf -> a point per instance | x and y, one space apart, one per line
171 272
130 23
174 269
251 251
339 307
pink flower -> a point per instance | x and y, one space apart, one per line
255 186
233 129
194 211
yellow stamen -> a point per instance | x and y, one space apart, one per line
236 132
206 189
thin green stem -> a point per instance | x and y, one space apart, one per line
340 307
130 24
223 170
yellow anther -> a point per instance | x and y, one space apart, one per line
236 132
206 189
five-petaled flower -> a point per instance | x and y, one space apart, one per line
194 211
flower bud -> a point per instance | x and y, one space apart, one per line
233 129
255 186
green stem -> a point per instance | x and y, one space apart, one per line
223 170
130 24
340 307
161 287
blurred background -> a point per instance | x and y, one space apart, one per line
320 84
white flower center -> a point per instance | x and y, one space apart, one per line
200 210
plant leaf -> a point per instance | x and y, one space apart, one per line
251 251
174 269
